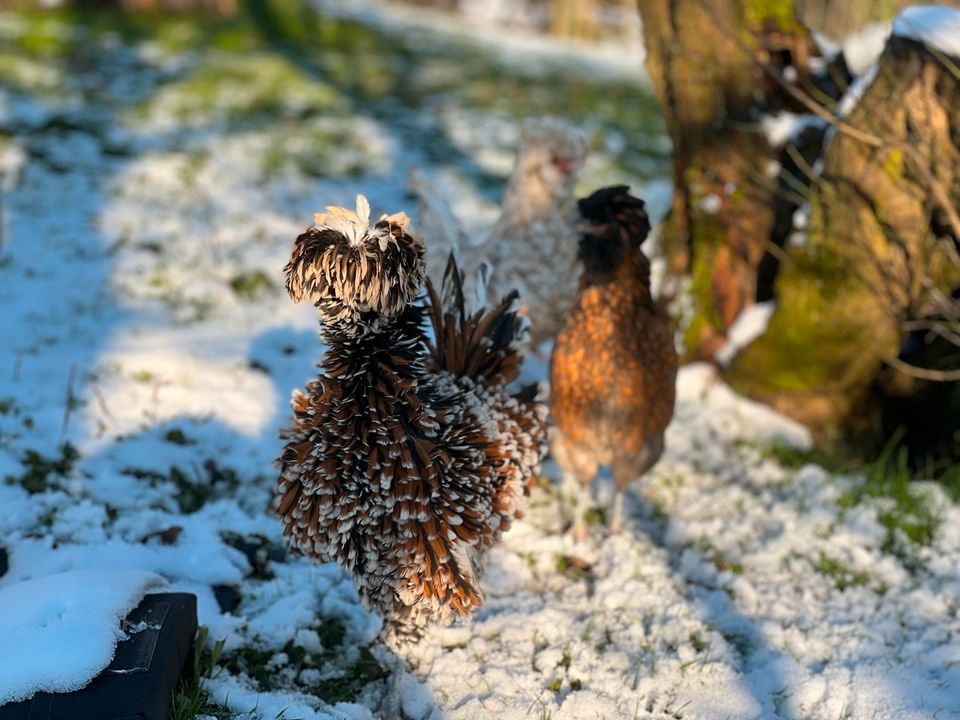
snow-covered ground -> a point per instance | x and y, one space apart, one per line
151 192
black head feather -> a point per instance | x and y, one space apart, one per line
612 222
615 206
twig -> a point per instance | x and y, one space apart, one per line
812 175
937 328
70 400
798 188
924 373
920 168
102 402
940 196
778 252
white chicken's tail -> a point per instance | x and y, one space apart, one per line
476 287
435 223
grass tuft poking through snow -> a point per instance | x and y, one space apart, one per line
191 700
907 510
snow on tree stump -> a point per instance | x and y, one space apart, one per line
140 681
881 248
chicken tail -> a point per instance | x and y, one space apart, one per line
481 351
482 344
436 223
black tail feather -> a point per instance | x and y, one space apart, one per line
483 344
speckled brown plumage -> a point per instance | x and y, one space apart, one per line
405 459
613 369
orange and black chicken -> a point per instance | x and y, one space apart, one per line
613 369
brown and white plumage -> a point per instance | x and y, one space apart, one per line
532 246
614 366
406 458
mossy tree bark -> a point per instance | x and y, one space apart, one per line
862 339
714 65
856 302
838 18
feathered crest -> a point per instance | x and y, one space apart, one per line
355 225
350 268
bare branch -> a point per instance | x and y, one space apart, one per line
924 373
812 175
934 327
940 196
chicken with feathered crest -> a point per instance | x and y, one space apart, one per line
407 457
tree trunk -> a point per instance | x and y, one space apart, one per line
837 18
856 301
713 65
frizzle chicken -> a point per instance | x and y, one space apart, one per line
407 457
614 366
532 246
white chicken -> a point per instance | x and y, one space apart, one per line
533 244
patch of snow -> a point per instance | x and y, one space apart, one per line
416 700
13 159
786 126
856 91
862 48
289 614
711 203
750 324
827 47
846 105
816 65
936 26
534 51
190 559
242 697
64 628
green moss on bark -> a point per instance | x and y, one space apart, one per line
760 12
